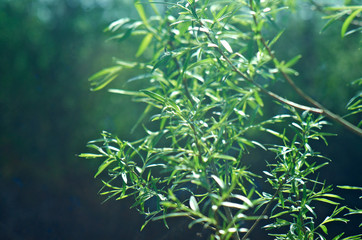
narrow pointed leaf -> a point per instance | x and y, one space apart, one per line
226 45
144 44
193 204
348 21
103 166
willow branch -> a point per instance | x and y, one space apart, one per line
322 110
264 90
322 9
265 210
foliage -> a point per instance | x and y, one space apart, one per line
206 77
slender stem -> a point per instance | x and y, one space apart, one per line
228 212
322 110
356 21
229 216
265 210
271 94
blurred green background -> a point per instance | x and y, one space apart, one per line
49 48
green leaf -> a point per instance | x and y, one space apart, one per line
103 166
348 21
223 156
207 61
163 60
277 224
350 187
326 201
226 45
338 236
332 196
193 204
354 237
127 64
117 24
170 215
123 35
107 184
244 199
310 210
329 219
114 26
218 181
281 199
110 70
99 149
258 99
141 12
144 44
332 19
104 77
234 205
124 177
154 96
324 228
281 213
338 8
352 212
90 155
359 29
222 11
275 39
183 26
279 135
126 92
293 61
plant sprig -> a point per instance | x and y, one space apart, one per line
204 88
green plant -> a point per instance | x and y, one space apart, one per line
206 82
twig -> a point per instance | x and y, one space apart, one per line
264 90
322 110
357 22
265 210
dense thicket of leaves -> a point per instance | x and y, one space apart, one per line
206 77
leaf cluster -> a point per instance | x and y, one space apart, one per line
206 77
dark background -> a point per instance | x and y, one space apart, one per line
48 49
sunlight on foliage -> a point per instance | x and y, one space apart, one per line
206 77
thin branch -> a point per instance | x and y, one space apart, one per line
265 209
322 110
322 9
264 90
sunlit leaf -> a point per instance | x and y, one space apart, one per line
141 12
117 24
144 44
218 181
103 166
221 12
223 156
324 228
126 92
90 155
226 45
234 205
154 96
293 61
193 204
348 21
349 187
